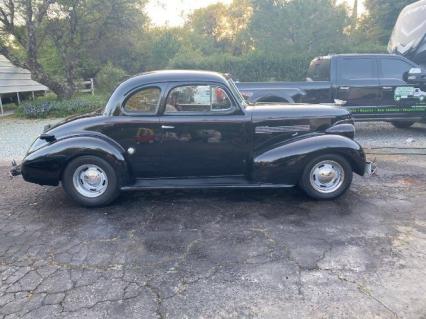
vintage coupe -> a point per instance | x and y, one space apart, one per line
193 129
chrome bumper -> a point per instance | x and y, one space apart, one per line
15 170
370 168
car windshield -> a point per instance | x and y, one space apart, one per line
237 93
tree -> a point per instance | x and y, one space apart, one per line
219 28
68 30
162 45
308 26
381 18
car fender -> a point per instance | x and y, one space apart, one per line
46 165
284 163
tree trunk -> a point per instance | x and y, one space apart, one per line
62 90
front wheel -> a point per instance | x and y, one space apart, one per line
90 181
402 124
326 177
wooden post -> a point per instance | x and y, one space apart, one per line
19 98
1 106
32 93
92 86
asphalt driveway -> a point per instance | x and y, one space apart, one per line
218 254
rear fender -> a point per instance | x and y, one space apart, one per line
285 163
46 165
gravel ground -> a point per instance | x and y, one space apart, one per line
218 254
17 135
381 134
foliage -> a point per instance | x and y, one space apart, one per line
52 37
163 45
314 27
109 77
255 40
219 28
49 106
252 67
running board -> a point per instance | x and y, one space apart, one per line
197 183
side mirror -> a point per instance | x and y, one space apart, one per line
415 71
415 76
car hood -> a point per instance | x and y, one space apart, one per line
275 123
264 111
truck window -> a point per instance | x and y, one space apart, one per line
319 70
357 69
394 68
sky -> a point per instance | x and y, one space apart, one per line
173 12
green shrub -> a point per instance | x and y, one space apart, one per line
109 77
50 107
252 67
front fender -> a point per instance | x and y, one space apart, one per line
285 163
45 166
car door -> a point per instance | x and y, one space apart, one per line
391 70
357 82
204 132
138 130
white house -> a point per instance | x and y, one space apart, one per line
15 81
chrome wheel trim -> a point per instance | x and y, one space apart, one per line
327 176
90 180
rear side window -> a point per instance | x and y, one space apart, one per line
143 101
319 70
197 99
394 68
357 69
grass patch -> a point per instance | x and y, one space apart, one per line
9 107
48 106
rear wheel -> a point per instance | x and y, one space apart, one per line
326 177
402 124
91 181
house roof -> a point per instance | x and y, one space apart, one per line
14 79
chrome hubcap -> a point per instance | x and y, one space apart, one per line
90 180
327 176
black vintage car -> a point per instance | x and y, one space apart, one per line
192 129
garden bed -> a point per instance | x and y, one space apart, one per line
50 107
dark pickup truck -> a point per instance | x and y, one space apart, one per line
364 84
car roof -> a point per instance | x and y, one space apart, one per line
177 76
165 76
360 55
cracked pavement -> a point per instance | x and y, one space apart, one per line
218 254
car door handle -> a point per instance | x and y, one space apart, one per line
387 88
344 88
167 127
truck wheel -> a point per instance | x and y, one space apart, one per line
90 181
402 124
326 177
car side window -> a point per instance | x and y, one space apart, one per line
197 99
394 68
357 69
143 101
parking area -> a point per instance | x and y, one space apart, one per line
222 254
